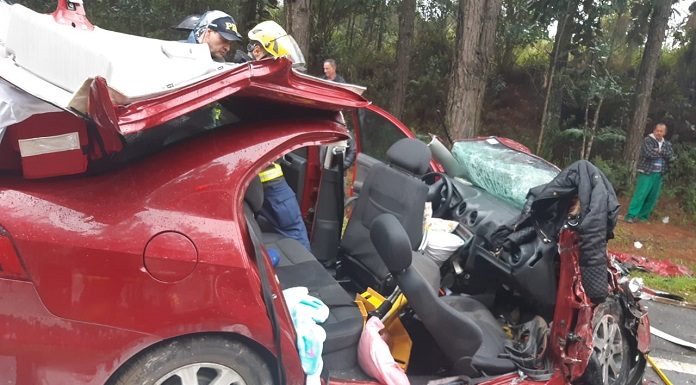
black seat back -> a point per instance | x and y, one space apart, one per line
456 334
396 189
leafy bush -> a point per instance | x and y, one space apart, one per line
617 172
680 180
535 57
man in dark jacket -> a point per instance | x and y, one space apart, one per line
330 71
655 155
330 74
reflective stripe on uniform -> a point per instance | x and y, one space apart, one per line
272 172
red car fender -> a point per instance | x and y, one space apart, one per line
644 334
571 348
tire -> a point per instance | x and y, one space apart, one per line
199 360
614 359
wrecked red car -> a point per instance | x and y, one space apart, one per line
132 250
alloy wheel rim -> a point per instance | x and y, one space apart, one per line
202 374
608 348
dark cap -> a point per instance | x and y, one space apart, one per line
226 27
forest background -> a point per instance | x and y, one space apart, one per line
570 79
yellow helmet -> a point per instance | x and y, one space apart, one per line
277 42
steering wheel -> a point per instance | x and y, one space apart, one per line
440 192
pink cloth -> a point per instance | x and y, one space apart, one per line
375 358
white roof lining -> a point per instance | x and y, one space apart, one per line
53 61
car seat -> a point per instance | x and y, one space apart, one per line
395 188
463 328
298 267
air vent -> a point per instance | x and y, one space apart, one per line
472 217
459 211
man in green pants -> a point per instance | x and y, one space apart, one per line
655 155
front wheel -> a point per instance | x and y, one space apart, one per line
199 360
614 359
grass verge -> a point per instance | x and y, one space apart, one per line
683 285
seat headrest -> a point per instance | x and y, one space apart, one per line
254 194
391 242
411 155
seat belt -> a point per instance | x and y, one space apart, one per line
268 300
340 155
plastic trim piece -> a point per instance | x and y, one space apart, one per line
49 144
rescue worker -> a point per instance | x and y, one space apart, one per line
280 207
219 31
268 39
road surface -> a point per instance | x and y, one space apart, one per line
678 363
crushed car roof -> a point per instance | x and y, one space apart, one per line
56 62
122 84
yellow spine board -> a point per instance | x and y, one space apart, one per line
394 332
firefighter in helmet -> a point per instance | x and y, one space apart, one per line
280 207
268 39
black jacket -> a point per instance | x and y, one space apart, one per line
547 209
599 211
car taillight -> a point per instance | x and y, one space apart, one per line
10 266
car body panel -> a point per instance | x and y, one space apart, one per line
571 332
42 348
271 80
70 234
119 259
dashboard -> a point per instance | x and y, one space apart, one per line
529 270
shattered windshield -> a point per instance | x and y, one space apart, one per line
500 170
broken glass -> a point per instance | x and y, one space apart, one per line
500 170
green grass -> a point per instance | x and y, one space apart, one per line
683 286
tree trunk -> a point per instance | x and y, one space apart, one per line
585 127
351 31
640 24
646 78
141 18
246 19
297 23
618 36
511 18
475 46
407 16
593 132
553 101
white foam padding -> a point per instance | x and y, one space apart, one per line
4 21
134 66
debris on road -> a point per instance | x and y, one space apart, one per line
664 268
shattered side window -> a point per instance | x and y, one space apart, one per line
377 134
500 170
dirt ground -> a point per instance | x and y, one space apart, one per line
675 240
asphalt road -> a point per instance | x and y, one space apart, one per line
678 363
